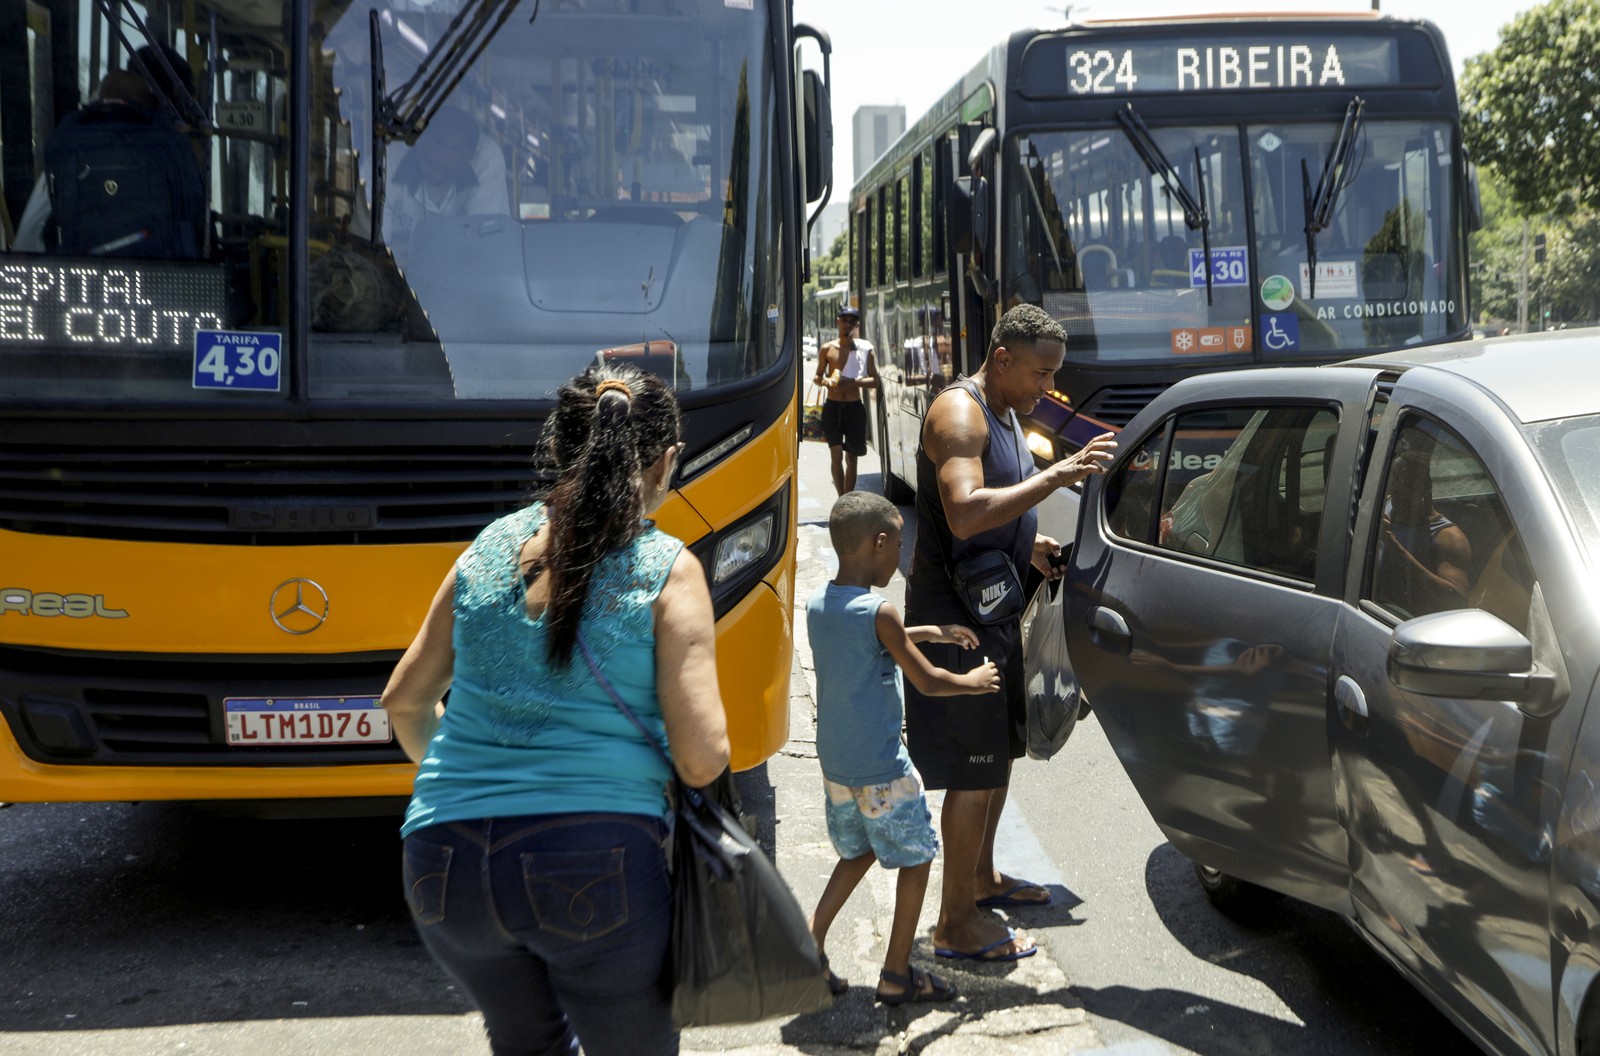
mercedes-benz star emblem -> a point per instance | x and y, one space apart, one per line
299 606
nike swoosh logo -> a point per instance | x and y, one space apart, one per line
985 608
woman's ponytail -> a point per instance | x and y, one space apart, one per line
609 424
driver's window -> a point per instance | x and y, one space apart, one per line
1444 539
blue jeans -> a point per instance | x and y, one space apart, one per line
558 926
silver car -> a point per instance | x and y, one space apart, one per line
1341 626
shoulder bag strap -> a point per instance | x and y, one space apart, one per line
627 712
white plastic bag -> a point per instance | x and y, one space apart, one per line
1052 688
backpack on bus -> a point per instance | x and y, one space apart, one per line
122 182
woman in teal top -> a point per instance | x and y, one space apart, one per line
534 863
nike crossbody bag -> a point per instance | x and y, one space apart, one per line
989 587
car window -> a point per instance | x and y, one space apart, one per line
1444 539
1246 485
1131 491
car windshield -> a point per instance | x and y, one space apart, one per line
1569 450
1107 244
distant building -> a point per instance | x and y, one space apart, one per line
873 129
831 224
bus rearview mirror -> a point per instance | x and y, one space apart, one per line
819 136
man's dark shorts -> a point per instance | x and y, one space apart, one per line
967 741
844 424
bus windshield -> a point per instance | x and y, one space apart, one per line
558 184
1103 243
595 186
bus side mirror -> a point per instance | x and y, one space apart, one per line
958 215
978 161
1474 200
980 216
819 137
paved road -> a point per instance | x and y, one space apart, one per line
144 929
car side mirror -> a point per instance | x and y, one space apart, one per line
1471 654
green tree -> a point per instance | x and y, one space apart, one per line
835 264
1496 253
1569 279
1531 107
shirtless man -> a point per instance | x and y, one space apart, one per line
844 368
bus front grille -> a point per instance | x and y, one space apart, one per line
128 710
266 496
1116 405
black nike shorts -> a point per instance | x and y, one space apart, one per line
968 741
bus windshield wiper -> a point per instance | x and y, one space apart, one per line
1194 209
1337 174
405 112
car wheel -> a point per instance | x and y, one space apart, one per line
1232 896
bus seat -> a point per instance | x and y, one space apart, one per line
1096 264
1505 585
1171 270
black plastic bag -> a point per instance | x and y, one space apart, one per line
741 947
1052 688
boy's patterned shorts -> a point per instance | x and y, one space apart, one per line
889 821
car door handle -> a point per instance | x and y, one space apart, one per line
1109 630
1352 704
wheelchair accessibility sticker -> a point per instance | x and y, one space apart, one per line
1280 333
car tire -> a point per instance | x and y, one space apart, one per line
1231 896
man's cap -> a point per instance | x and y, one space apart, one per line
849 312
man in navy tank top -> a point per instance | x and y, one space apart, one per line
977 489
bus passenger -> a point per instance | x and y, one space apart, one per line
120 179
844 368
454 170
976 492
532 785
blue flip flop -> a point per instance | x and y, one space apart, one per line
984 954
1008 898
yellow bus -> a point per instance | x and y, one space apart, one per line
234 468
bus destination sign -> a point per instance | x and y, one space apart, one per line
125 304
1098 65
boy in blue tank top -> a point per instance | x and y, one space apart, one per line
876 809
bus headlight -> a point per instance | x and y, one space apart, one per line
737 557
743 548
1042 446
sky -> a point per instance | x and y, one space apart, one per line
891 51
